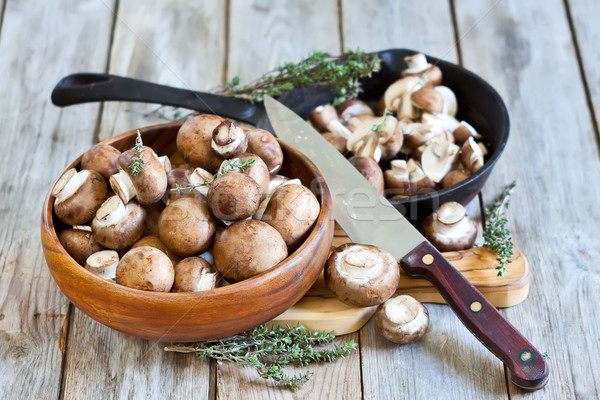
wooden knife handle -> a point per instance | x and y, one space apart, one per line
527 366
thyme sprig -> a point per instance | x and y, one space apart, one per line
341 74
137 162
381 121
231 165
268 351
496 236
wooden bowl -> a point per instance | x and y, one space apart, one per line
186 317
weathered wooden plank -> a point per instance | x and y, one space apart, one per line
379 24
448 353
38 140
554 215
177 43
587 34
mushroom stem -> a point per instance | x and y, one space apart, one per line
103 263
360 264
201 180
68 184
123 186
208 281
111 211
165 162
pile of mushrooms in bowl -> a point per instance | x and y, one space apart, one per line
216 233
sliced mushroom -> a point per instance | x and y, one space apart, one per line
103 263
154 241
79 243
336 140
418 66
228 140
118 226
194 138
450 228
419 181
324 118
187 227
248 248
352 108
234 196
438 158
402 319
449 102
265 145
78 195
355 121
440 121
455 176
428 99
397 96
370 170
194 274
417 134
101 158
472 155
146 268
148 186
397 178
373 136
362 275
292 210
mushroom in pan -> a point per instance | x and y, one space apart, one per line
402 319
265 145
194 141
384 132
101 158
194 274
247 248
362 275
472 155
438 158
352 108
397 97
187 227
419 181
117 225
418 66
450 105
339 142
428 99
79 242
325 119
369 168
455 176
464 131
145 268
450 228
78 195
397 178
103 263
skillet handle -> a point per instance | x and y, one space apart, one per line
89 87
527 366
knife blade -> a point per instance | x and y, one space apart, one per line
369 218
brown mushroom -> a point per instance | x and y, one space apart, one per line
419 181
450 105
325 119
118 226
178 185
370 170
103 263
455 176
79 243
397 178
274 183
428 99
362 275
402 319
418 66
234 196
154 241
148 186
78 195
472 155
248 248
186 227
397 97
194 138
352 108
450 228
336 140
292 210
228 140
257 169
145 268
265 145
101 158
194 274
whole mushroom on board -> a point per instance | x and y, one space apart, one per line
362 275
194 140
78 195
450 228
79 242
402 319
116 225
101 158
145 268
247 248
194 274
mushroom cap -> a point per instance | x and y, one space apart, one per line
151 183
117 225
193 274
370 170
391 147
449 100
321 116
234 196
193 141
228 140
455 176
362 275
418 66
419 181
352 108
336 140
154 241
101 158
265 145
178 178
257 171
79 243
292 210
450 229
145 268
429 99
402 319
247 248
78 195
187 227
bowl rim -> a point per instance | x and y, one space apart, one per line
78 271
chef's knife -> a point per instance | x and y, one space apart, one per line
367 217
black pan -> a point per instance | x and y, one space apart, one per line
478 103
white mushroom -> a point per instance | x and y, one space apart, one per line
438 158
472 155
397 178
449 102
463 132
397 96
419 181
418 66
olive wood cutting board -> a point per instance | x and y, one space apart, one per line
319 309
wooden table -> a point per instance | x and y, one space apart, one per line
542 58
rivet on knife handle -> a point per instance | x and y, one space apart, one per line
528 367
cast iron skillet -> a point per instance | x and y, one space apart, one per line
478 103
